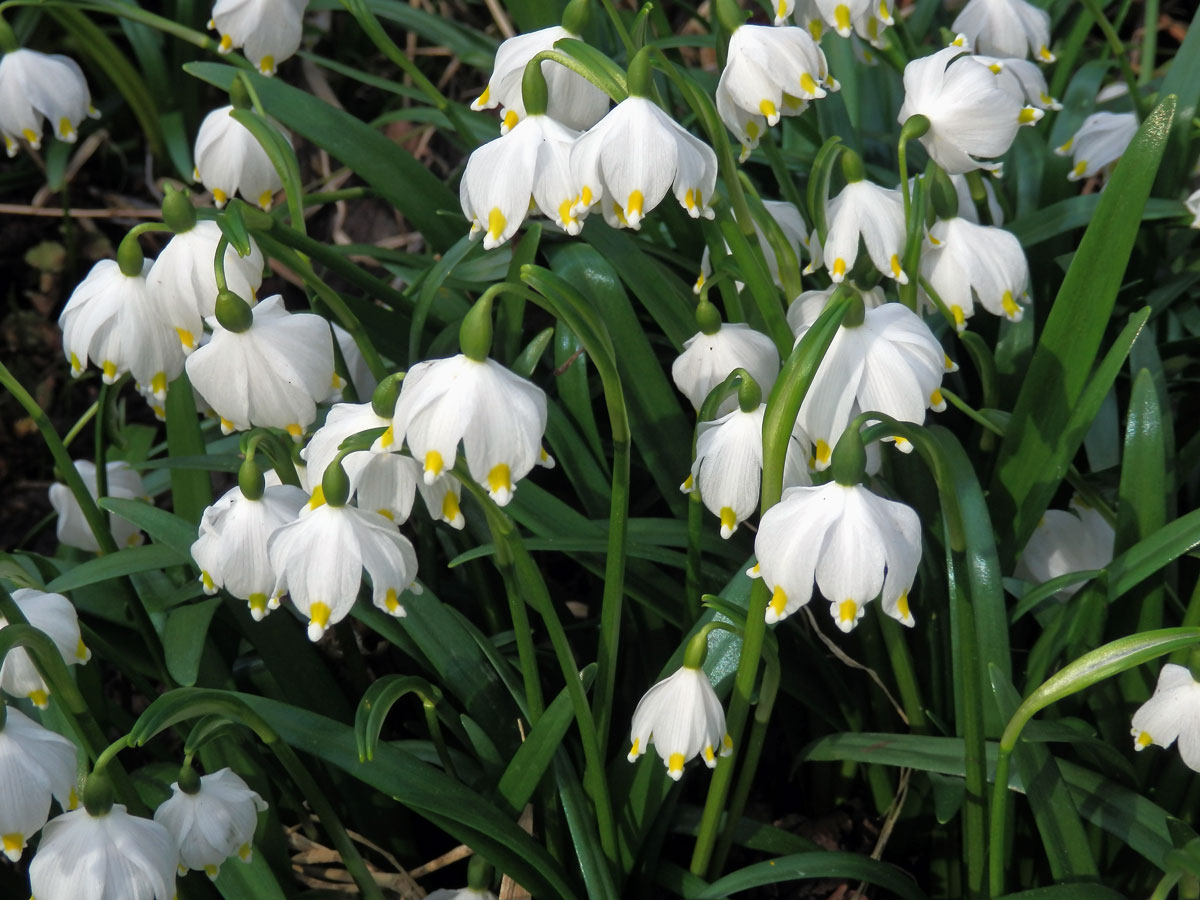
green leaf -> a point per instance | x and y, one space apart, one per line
1146 557
1183 80
1088 891
378 701
184 636
249 881
191 490
162 526
473 47
115 565
1077 212
822 864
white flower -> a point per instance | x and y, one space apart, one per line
790 222
1006 28
1098 143
466 893
534 158
769 72
891 363
499 417
35 765
185 282
1173 712
53 615
213 823
356 367
72 529
682 717
1022 79
968 261
268 31
229 160
854 544
630 159
117 322
707 360
272 374
35 87
231 550
1078 540
573 100
872 213
1193 206
319 560
870 26
970 115
114 855
966 204
807 308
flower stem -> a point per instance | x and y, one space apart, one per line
1119 51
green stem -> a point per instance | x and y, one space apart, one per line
902 667
79 425
99 459
695 555
1149 54
619 24
435 734
779 169
1118 49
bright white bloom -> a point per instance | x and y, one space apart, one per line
105 857
319 560
268 31
1006 28
708 359
184 280
807 308
970 115
630 159
271 374
35 765
853 543
843 16
1022 79
117 322
1099 143
1173 712
1078 540
35 87
870 26
535 158
356 367
231 550
466 893
54 615
872 213
682 717
500 418
72 529
769 72
790 222
229 160
968 261
212 824
1193 206
891 363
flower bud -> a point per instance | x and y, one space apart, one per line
233 312
383 401
177 211
475 334
251 481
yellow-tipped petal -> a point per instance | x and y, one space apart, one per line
767 108
387 438
266 65
634 206
220 198
258 606
500 479
808 84
1011 309
318 615
841 17
295 431
186 338
816 28
39 698
847 611
13 845
839 268
82 653
76 365
66 130
496 224
264 200
1028 115
960 318
1142 741
902 607
450 508
226 44
482 100
109 368
1080 169
635 751
778 603
675 764
34 139
434 463
510 120
823 452
158 384
317 498
387 514
729 521
391 601
895 264
936 401
709 756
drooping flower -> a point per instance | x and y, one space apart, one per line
1022 79
1193 206
968 261
1172 713
53 615
806 308
230 160
709 356
267 31
213 822
870 213
855 545
36 765
683 718
1010 29
110 855
1099 143
72 528
790 222
1075 540
36 87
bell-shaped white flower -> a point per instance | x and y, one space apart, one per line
535 159
875 215
1010 29
467 893
870 26
683 718
267 31
72 529
891 363
53 615
709 357
110 855
500 418
36 87
790 222
184 280
231 550
970 115
1098 143
356 367
319 560
630 159
807 308
1075 540
117 322
271 374
36 765
1022 79
1172 713
573 100
968 261
213 822
855 545
1193 206
230 160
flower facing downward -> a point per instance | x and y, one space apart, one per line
807 308
852 543
1193 206
715 351
1078 540
1022 79
1098 143
1173 712
268 31
968 261
113 854
229 160
682 717
873 214
36 765
72 528
790 222
213 822
54 615
35 87
1006 28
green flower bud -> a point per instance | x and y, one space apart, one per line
233 312
849 463
852 166
708 318
945 197
383 401
129 256
730 15
189 781
239 94
749 393
576 15
98 793
335 483
178 212
640 75
250 480
914 127
475 334
534 93
697 649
